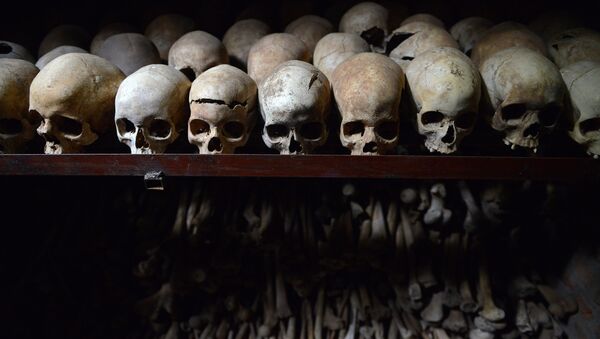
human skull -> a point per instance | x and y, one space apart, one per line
573 45
108 31
506 35
335 48
310 29
583 81
423 17
16 124
367 89
410 40
55 53
240 37
526 91
294 102
75 96
195 52
151 108
446 87
272 50
129 51
164 30
64 35
12 50
468 31
367 19
223 110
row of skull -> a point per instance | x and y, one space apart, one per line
523 88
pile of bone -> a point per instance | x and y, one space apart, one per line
519 80
287 266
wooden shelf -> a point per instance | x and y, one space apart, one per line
304 166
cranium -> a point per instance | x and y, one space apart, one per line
75 96
12 50
526 91
196 52
151 108
468 31
423 17
294 102
271 50
446 88
335 48
129 51
108 31
55 53
573 45
240 37
164 30
223 110
310 29
16 124
367 19
64 35
583 80
367 89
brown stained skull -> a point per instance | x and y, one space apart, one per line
151 108
310 29
367 89
240 37
55 53
11 50
74 94
294 102
526 92
367 19
129 51
446 89
335 48
165 29
271 51
468 31
195 52
573 45
16 124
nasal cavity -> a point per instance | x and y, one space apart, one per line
295 146
450 136
532 131
370 147
214 144
140 141
50 138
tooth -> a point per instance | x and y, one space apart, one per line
513 146
506 142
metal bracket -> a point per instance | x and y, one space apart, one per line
154 181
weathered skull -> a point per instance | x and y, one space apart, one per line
294 102
16 124
424 17
12 50
195 52
506 35
64 35
129 51
468 31
573 45
583 81
335 48
240 37
272 50
164 30
367 89
367 19
108 31
223 110
151 108
310 29
446 88
55 53
75 95
410 40
526 91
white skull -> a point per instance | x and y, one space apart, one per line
223 110
526 91
129 51
573 45
367 19
583 81
468 31
294 102
64 35
446 88
367 89
55 53
151 108
164 30
424 17
12 50
271 51
240 37
195 52
16 124
310 29
75 96
108 31
335 48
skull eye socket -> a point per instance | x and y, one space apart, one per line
311 130
198 126
549 115
353 128
68 126
387 130
160 129
465 120
589 125
277 131
431 117
125 126
513 111
233 129
10 126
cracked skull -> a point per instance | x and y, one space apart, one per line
526 92
446 88
16 124
367 89
195 52
151 108
222 103
294 102
367 19
75 96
